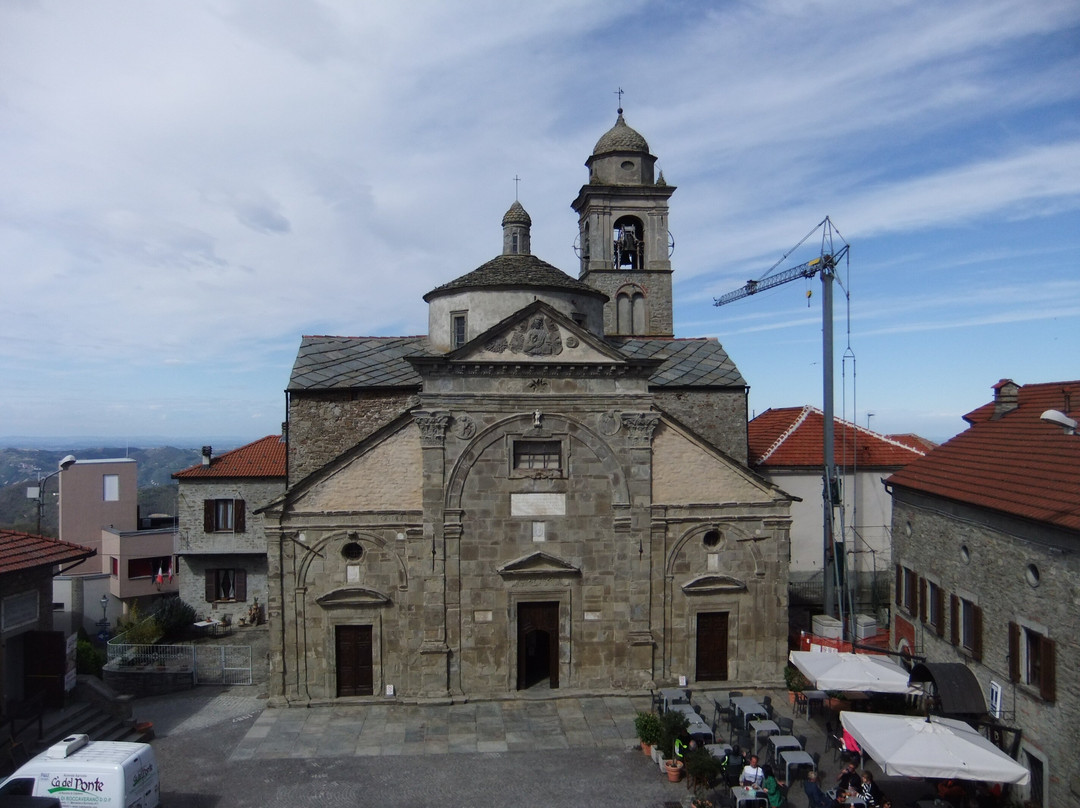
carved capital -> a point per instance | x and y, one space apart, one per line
640 426
432 427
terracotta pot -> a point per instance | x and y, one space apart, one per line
674 770
646 749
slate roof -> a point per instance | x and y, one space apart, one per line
1014 464
344 363
25 551
516 271
620 138
262 458
516 215
792 437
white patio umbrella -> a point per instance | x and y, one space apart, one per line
913 746
845 671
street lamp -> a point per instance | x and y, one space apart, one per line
1061 419
39 494
104 618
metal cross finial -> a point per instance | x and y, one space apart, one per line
619 92
517 179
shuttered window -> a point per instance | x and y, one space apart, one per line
1032 660
227 584
224 516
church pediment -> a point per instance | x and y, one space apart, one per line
352 597
537 333
536 565
713 585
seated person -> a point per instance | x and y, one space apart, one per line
772 787
815 797
848 782
870 792
752 775
952 791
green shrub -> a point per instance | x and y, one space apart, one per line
673 725
175 618
647 726
88 659
137 630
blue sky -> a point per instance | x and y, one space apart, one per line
190 187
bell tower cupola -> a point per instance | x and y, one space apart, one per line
623 239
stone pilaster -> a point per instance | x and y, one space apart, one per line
434 651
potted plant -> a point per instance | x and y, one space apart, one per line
796 682
702 769
672 726
647 726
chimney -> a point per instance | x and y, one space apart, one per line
207 453
284 431
1005 398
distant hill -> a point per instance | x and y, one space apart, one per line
21 468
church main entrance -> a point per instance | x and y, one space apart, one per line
538 644
355 676
712 646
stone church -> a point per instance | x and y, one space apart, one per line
547 493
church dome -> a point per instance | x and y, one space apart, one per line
620 138
517 215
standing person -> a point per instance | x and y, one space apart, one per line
772 787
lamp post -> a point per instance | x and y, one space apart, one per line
39 494
104 617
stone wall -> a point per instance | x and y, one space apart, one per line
717 415
324 424
989 561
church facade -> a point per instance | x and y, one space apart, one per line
547 492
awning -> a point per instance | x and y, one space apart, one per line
956 686
913 746
845 671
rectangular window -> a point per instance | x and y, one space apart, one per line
111 487
932 605
226 584
907 590
149 567
1032 660
114 565
966 619
537 455
458 329
223 516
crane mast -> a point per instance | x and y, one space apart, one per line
825 266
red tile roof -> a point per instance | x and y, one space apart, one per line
25 551
262 458
791 437
1014 463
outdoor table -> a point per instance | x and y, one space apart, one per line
741 796
718 750
674 695
696 726
794 757
781 742
808 699
761 725
748 707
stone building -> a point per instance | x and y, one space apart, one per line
548 491
221 546
986 534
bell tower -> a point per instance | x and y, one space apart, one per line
623 238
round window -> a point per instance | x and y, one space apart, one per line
627 165
1032 575
352 550
711 538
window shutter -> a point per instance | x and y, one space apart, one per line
211 586
899 585
976 641
922 599
239 518
954 619
240 584
208 516
1048 687
1014 652
939 596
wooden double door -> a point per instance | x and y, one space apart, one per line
712 646
355 671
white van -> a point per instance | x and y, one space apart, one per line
90 774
